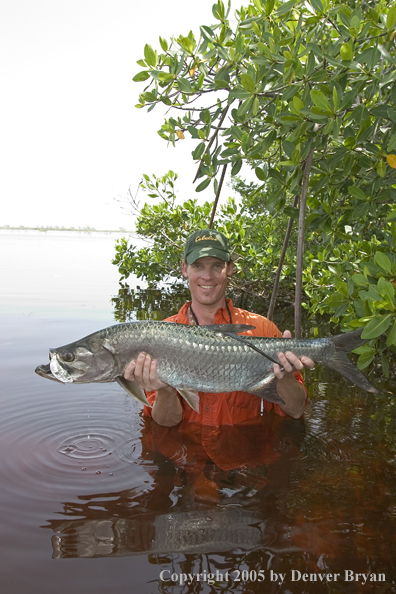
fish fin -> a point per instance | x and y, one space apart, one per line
251 346
107 345
266 389
349 341
344 343
231 328
133 389
191 397
346 368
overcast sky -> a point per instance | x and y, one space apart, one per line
71 138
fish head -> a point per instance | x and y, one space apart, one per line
83 361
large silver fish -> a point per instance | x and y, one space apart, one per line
195 358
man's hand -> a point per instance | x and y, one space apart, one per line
290 362
167 409
144 372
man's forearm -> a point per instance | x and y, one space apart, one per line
293 394
167 409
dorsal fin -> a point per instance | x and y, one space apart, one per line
232 328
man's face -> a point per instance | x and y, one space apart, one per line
207 278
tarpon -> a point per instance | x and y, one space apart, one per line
196 358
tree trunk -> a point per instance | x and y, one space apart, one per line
280 265
217 196
300 246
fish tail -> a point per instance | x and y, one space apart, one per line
344 343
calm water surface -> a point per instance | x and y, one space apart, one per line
95 498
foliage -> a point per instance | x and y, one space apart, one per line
166 225
287 78
360 277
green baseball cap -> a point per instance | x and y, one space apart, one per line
206 242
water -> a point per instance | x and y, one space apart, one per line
95 498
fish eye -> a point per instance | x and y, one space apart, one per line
68 357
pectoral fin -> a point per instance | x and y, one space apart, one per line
266 389
191 397
133 389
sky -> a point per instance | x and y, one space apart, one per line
72 141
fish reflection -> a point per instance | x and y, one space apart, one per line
196 531
230 500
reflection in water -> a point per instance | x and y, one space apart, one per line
271 496
159 303
194 505
148 304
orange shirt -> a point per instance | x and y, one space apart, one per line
228 408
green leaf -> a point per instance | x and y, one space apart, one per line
284 8
240 93
164 76
336 301
203 185
376 327
357 193
193 131
297 103
150 55
163 44
391 338
385 365
207 33
260 174
360 280
335 98
391 17
246 106
140 76
365 359
371 293
381 168
383 261
392 143
318 6
148 97
198 151
248 83
386 289
184 85
320 100
346 52
236 167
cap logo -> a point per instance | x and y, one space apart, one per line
205 237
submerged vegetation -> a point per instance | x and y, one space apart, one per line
304 94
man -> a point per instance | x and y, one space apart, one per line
207 266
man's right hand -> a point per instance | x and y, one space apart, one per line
144 372
167 409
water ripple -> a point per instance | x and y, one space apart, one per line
63 445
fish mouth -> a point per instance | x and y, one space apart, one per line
45 371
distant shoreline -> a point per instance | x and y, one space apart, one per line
56 228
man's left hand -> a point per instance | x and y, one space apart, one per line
290 362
